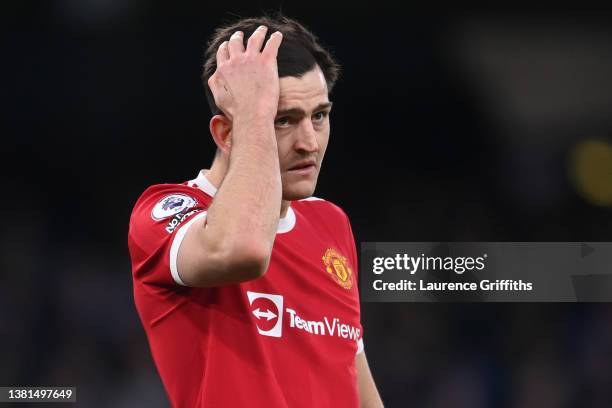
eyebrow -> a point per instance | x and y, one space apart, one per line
301 112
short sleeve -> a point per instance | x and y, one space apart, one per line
159 222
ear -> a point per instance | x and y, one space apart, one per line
221 130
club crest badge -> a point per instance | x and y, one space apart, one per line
171 205
338 268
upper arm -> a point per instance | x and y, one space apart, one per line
170 243
158 224
368 394
204 260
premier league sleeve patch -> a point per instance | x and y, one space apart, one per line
172 204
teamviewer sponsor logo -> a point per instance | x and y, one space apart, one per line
325 327
268 311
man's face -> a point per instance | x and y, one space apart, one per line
302 132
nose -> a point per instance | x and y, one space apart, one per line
306 140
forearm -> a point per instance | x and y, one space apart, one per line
234 242
247 205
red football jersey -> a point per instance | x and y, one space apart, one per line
287 339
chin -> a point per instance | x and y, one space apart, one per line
298 191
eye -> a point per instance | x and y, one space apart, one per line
282 121
320 116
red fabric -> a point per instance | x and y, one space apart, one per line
206 342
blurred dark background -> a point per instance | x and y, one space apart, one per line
448 125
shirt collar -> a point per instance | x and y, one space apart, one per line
203 183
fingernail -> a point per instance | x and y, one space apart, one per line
237 33
262 27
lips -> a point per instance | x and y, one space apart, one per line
303 165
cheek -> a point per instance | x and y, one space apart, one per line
283 142
322 140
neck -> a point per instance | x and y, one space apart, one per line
284 207
217 173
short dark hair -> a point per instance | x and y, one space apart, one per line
300 50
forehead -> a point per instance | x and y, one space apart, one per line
305 92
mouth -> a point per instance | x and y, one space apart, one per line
303 168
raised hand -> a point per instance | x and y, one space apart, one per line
246 80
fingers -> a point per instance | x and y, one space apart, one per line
274 42
257 39
222 53
235 46
236 43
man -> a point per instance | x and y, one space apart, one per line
245 284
